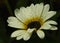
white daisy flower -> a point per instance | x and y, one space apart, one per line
30 19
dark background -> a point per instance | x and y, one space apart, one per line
7 8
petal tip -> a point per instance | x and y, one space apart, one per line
40 34
12 36
54 28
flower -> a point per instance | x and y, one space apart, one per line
30 19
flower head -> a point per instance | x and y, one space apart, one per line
30 19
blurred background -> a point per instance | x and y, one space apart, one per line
7 8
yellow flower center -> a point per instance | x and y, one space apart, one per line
36 22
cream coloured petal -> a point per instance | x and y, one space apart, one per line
38 9
47 25
45 10
31 30
14 22
19 37
46 14
18 33
29 12
51 22
49 15
24 13
28 34
53 28
41 34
